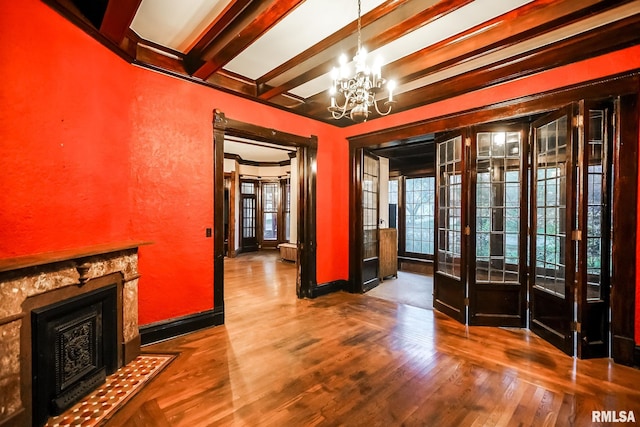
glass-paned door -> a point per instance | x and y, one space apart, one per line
248 212
370 215
594 246
497 277
450 290
552 219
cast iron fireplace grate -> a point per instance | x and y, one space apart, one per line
74 349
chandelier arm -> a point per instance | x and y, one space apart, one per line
375 104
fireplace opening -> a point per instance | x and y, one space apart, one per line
74 347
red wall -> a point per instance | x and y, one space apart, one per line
64 151
95 150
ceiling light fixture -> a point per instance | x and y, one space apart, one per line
359 91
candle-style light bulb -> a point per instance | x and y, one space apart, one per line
391 86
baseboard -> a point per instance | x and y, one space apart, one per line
172 328
18 418
624 350
328 288
131 349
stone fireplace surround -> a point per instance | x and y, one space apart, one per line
27 283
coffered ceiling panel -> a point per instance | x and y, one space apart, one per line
281 52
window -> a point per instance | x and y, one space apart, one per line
419 215
270 210
393 203
287 209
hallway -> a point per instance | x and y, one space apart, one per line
356 360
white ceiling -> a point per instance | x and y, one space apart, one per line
176 25
256 151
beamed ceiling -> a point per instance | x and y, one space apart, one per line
280 52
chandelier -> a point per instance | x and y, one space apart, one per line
355 94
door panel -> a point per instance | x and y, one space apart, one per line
370 215
450 288
248 220
497 274
552 220
595 225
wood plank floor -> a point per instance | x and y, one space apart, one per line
346 359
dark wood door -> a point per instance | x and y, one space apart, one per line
498 222
450 285
594 223
249 216
553 219
370 218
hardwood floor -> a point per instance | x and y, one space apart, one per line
346 359
408 288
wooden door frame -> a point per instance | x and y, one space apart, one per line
624 88
307 147
231 234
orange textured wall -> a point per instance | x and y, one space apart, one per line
96 150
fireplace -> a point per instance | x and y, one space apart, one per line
74 348
67 320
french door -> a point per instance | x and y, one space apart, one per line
498 223
370 218
553 221
450 273
529 223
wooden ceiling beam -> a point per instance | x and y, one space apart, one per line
380 26
117 19
533 20
245 28
609 38
520 25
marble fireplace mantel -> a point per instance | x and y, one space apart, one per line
33 281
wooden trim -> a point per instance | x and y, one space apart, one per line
242 161
625 193
18 418
13 318
231 235
131 349
624 83
356 236
329 287
218 213
307 152
168 329
35 260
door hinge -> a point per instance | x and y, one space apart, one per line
576 235
466 302
578 121
467 230
576 327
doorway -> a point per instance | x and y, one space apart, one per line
598 308
525 221
306 148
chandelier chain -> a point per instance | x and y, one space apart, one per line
359 26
